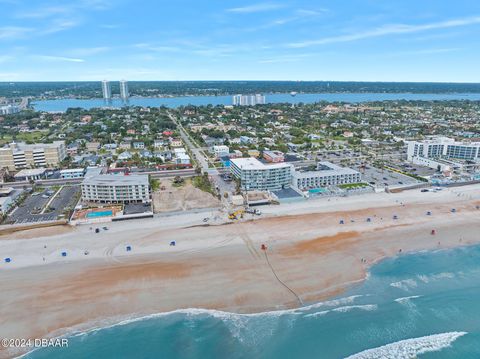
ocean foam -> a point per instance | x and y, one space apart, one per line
410 348
405 300
236 322
405 284
347 308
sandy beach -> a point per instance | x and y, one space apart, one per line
218 266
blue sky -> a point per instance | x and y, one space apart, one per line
358 40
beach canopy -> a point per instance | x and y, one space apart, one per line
64 254
129 248
172 243
8 260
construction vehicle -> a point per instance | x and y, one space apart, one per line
236 214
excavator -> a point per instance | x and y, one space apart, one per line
236 214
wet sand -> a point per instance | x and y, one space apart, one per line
219 266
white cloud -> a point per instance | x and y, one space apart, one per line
13 32
57 58
394 29
88 51
59 25
259 7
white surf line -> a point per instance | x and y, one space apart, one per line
410 348
51 200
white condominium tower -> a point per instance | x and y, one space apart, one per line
106 90
248 100
124 89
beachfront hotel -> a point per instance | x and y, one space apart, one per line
17 156
116 189
443 147
255 175
326 174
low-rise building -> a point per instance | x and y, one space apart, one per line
72 173
175 142
273 156
326 174
138 145
220 151
30 174
125 145
254 174
92 146
116 189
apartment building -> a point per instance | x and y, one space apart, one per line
255 175
443 147
17 156
116 189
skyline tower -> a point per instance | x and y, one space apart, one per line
124 89
106 90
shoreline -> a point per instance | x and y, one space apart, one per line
222 267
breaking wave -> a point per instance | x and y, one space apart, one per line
348 308
410 348
404 300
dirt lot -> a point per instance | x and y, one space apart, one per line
181 198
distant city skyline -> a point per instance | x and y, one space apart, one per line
91 40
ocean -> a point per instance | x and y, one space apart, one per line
62 105
423 305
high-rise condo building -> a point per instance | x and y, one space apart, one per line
443 147
21 155
124 89
248 100
106 90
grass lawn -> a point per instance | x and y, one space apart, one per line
353 185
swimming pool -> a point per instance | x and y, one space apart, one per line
106 213
316 190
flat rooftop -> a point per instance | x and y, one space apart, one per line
72 170
117 180
30 172
252 163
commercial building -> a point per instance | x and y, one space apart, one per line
220 151
106 90
72 173
124 89
248 100
17 156
116 189
326 174
273 156
443 147
254 174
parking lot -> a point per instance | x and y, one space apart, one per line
34 208
382 177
